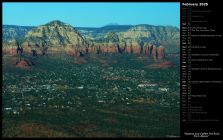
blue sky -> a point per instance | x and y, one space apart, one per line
92 14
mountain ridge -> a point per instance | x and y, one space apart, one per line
57 33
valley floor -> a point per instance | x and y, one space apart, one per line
94 96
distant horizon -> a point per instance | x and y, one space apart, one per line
93 15
91 27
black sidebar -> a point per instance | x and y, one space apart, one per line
201 68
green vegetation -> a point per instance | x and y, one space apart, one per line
108 96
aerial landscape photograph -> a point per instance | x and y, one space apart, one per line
90 70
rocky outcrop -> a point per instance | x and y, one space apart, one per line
160 53
139 39
55 33
153 52
24 64
12 32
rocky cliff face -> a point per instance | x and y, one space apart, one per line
55 33
149 33
138 36
133 34
139 39
11 32
59 33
